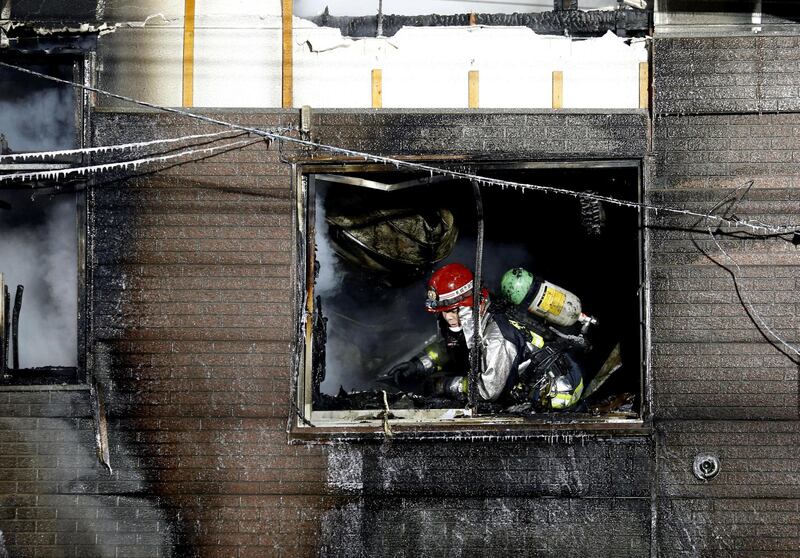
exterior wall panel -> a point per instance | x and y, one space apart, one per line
193 339
720 388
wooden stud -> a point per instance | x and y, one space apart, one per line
558 89
473 89
377 88
644 85
286 67
187 98
473 19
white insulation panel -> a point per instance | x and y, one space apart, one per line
237 63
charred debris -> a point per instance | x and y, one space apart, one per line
10 371
563 20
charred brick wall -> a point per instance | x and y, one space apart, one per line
55 497
192 325
723 119
482 497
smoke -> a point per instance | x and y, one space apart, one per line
38 249
373 324
329 278
36 119
38 234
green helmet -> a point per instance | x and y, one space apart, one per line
515 284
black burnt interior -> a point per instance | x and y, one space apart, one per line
377 319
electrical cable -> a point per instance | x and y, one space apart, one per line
172 110
731 200
134 163
755 226
477 334
746 300
102 149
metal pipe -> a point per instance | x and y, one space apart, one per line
475 356
15 327
4 353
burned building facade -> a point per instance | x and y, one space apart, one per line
188 425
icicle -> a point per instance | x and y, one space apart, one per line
82 171
105 148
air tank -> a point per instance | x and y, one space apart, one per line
544 299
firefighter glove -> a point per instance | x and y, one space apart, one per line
406 372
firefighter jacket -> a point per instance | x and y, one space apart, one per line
508 351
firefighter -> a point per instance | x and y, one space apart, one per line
515 365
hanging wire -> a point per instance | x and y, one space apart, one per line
476 357
754 225
134 163
758 320
747 303
105 148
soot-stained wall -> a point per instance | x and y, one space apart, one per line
479 496
724 116
192 330
192 327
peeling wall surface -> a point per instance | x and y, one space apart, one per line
192 323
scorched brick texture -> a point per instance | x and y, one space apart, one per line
193 312
192 327
720 388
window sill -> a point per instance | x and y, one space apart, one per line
48 378
329 429
46 387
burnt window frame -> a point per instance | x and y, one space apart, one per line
83 64
307 425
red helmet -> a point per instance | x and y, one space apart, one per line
450 287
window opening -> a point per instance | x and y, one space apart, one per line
40 226
376 239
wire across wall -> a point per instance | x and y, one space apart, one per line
711 219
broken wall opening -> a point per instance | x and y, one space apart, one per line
41 223
375 234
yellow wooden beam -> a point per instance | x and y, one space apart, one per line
644 85
558 89
377 88
286 66
187 97
473 89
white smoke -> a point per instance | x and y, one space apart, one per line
329 278
38 234
42 256
368 334
39 121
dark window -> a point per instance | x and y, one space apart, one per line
373 239
41 224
